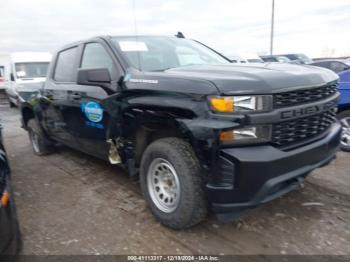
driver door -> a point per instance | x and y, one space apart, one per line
92 121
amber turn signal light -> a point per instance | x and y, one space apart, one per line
227 136
222 104
5 198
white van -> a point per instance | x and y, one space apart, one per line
2 76
26 68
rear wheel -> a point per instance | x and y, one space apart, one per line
172 183
40 143
344 118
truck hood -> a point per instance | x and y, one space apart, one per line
257 78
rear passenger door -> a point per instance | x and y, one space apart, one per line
58 101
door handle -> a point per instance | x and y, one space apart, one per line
76 96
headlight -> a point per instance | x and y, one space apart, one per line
247 135
230 104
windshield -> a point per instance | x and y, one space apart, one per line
31 70
152 53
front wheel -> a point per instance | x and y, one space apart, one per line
12 105
172 183
344 118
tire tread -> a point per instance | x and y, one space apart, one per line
193 210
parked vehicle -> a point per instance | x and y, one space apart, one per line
2 77
342 68
336 65
275 58
298 58
10 238
237 59
255 60
251 57
196 130
26 68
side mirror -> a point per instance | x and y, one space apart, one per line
94 77
12 77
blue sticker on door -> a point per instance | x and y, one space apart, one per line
93 112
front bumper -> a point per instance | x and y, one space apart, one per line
262 173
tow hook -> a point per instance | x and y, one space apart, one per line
113 156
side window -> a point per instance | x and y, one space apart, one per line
65 71
95 56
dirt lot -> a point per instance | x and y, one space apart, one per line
70 203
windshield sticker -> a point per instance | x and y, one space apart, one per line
148 81
93 111
21 74
127 46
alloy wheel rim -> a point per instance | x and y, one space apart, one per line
163 185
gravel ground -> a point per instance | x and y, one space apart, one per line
70 203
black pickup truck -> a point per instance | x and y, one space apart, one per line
197 131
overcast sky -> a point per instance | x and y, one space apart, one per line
316 28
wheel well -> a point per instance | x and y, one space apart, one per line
145 136
343 108
27 114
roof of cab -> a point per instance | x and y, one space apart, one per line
106 38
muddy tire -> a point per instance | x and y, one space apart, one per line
40 143
172 183
344 118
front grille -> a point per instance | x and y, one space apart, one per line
289 133
304 96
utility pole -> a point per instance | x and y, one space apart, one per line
272 26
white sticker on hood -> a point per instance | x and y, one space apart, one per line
127 46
